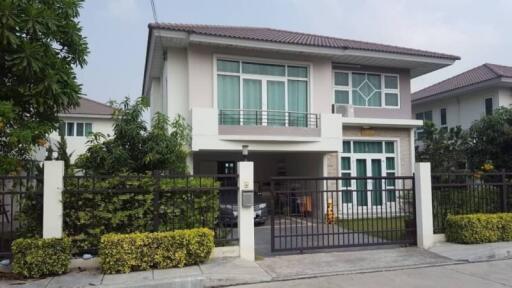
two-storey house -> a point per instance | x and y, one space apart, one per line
306 105
465 97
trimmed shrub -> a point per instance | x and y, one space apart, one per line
35 257
122 253
479 228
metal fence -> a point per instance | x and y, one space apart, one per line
467 193
337 212
21 209
97 205
274 118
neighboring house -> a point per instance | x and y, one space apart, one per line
276 91
464 98
78 123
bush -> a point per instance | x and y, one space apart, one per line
124 204
479 228
33 257
122 253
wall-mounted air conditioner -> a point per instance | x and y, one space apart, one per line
346 110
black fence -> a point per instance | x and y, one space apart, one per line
467 193
94 206
21 209
272 118
338 212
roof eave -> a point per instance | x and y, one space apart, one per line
495 82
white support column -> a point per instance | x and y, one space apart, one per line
52 199
424 221
246 214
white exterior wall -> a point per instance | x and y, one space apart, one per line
156 99
505 97
175 86
461 110
77 144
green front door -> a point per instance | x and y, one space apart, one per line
376 183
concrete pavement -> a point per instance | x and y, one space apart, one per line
483 274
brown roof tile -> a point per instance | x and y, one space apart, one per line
473 76
91 107
297 38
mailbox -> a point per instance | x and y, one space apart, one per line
247 198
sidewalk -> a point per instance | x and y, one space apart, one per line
234 271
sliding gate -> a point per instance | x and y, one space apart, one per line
338 212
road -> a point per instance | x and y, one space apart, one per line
483 274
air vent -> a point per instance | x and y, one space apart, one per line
345 110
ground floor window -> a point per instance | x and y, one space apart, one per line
365 158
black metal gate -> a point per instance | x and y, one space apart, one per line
21 209
337 212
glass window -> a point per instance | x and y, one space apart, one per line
345 163
263 69
367 147
428 116
419 116
340 78
70 129
390 147
366 90
443 116
297 71
346 147
228 66
88 129
390 163
298 103
488 106
390 82
345 183
228 97
62 129
391 99
80 129
341 97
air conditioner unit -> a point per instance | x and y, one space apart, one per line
346 110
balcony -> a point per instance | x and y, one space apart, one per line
268 118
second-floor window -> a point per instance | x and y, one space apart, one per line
245 89
442 113
488 106
75 129
425 116
366 89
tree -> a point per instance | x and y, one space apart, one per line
41 43
136 149
490 140
444 149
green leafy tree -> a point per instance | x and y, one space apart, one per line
445 149
491 140
41 42
136 149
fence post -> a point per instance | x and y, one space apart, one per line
52 198
504 200
246 214
424 217
156 201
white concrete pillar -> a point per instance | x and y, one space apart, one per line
246 214
424 221
52 199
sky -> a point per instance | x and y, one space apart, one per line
116 30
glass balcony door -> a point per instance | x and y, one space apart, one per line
264 102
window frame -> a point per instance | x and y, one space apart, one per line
263 78
445 124
383 89
382 156
488 113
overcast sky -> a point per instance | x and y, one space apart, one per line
478 31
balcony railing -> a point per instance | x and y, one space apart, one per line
270 118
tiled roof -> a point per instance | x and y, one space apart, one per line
91 107
296 38
473 76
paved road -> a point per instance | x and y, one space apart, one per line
483 274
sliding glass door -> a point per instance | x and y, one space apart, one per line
276 103
252 98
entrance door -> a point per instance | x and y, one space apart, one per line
369 188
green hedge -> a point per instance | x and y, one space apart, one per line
98 207
479 228
122 253
35 257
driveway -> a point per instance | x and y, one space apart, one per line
484 274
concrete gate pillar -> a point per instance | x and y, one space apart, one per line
424 217
246 210
52 198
